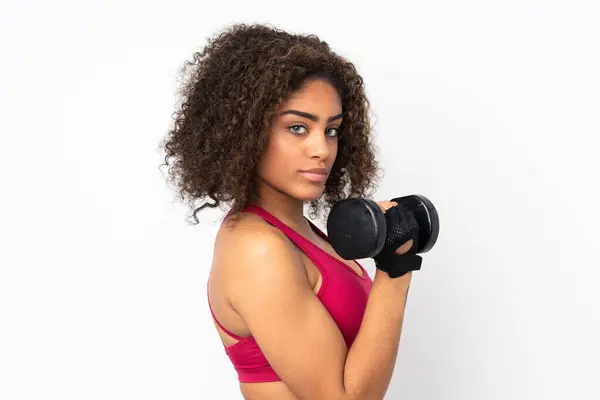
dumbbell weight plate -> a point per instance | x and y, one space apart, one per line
356 228
427 218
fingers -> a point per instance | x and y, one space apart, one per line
384 205
405 247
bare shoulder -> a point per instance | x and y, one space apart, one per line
248 231
254 247
250 236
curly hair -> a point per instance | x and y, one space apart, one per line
229 93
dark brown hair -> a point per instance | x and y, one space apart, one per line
229 92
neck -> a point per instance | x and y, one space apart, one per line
285 208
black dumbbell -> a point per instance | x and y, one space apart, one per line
357 229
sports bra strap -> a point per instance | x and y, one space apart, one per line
305 245
233 335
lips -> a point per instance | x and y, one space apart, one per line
315 174
316 171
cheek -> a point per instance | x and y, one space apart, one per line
278 159
333 150
283 151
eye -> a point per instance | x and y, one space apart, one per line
296 129
333 132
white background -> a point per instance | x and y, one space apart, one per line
489 108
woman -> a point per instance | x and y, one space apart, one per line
269 122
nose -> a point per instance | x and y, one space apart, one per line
318 146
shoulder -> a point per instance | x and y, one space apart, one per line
253 248
251 235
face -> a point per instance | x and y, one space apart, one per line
303 143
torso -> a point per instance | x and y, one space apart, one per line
232 321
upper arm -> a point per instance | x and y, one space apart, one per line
271 293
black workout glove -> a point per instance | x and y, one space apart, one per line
401 226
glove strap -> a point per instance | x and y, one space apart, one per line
396 265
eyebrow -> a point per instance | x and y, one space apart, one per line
310 116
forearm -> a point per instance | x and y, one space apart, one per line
371 359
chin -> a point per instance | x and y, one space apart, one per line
307 193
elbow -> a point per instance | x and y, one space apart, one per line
360 395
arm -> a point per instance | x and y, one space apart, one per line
371 360
271 292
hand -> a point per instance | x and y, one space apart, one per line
384 205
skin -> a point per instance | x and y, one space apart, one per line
253 254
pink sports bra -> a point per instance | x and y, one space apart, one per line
343 293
